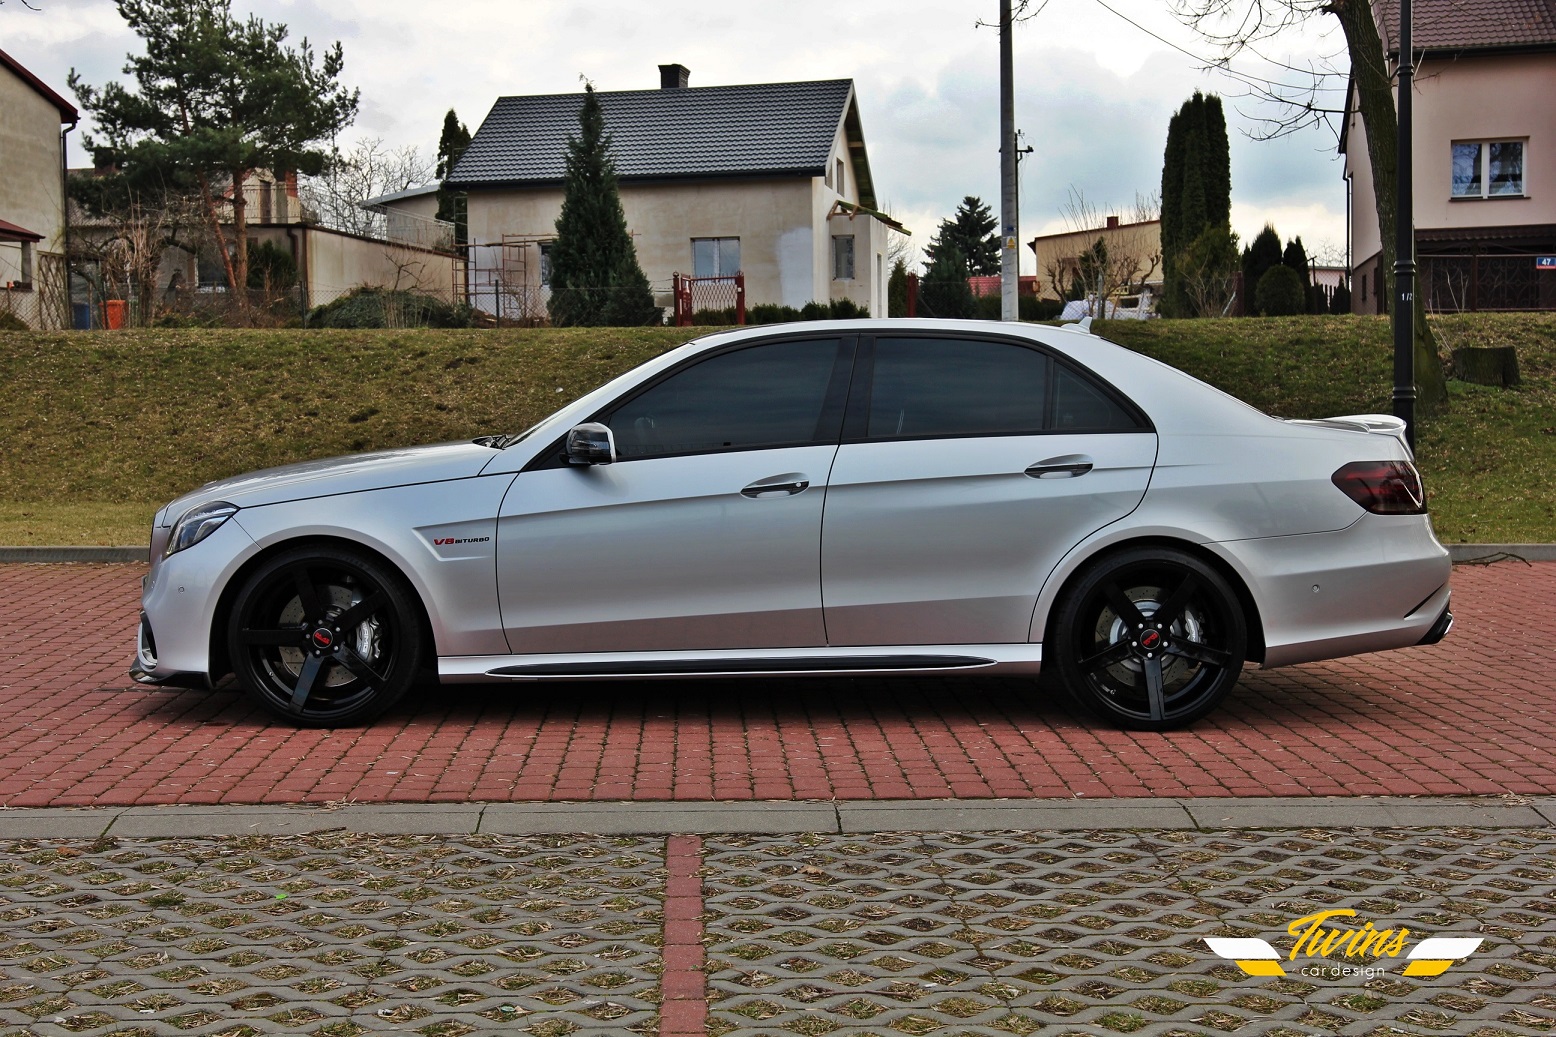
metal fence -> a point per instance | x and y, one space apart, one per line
1481 281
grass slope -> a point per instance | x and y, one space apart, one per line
100 429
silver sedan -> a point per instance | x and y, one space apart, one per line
852 497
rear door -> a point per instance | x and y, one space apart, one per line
969 467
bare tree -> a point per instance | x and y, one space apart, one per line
1121 259
368 170
1238 27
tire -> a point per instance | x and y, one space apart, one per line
1144 617
325 637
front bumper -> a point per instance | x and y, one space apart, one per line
179 598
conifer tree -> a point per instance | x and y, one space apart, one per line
452 143
595 276
1196 189
216 97
971 230
944 291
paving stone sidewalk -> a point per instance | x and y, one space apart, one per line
892 934
1470 716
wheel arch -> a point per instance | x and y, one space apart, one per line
1075 567
221 659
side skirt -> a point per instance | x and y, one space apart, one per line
772 662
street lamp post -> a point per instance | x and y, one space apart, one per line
1404 244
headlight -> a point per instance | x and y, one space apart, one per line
197 524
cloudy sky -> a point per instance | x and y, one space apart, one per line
1094 89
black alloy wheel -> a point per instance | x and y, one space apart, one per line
1150 638
325 637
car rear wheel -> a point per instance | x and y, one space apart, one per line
325 637
1150 638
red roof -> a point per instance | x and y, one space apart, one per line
67 111
1470 24
11 232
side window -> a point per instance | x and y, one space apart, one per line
762 396
954 387
1081 406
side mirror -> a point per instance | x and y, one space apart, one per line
590 443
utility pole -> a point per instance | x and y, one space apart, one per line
1010 221
1405 245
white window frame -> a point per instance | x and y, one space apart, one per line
720 246
838 271
1483 163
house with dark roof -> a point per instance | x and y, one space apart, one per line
771 181
1484 153
32 196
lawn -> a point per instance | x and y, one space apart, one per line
101 429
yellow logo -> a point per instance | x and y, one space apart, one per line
1367 945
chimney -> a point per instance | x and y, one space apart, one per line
1112 223
673 77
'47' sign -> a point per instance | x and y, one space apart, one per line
1545 262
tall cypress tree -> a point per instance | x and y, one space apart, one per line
452 143
1196 188
595 276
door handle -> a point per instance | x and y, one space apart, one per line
1070 466
778 486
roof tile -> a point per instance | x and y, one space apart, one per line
1463 24
665 133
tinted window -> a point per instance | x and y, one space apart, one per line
953 387
1078 404
764 396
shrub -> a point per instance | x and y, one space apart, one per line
271 268
381 308
1280 292
771 313
11 322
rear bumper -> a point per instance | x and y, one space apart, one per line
1439 629
1378 584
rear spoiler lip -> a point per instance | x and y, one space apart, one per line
1377 424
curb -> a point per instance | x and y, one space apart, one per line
101 555
845 817
1483 554
1477 554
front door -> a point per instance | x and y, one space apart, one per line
705 532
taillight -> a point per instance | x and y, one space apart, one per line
1383 487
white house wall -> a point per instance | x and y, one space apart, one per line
772 218
31 194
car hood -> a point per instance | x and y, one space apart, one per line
331 475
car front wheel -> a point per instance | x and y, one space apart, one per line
325 637
1150 638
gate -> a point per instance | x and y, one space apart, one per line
701 294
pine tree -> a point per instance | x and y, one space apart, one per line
451 145
595 276
971 230
944 291
1196 189
216 98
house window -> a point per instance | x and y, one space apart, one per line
839 182
545 263
842 257
715 257
1488 169
27 263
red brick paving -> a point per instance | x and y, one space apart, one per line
1472 715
